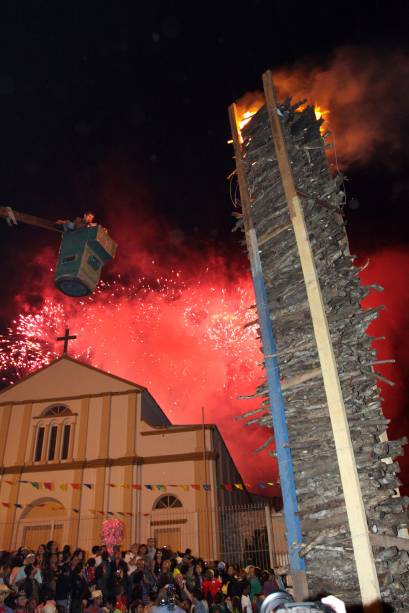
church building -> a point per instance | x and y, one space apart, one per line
79 445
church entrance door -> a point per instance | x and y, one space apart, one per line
168 537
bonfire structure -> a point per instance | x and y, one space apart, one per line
342 505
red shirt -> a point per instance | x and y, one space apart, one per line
211 586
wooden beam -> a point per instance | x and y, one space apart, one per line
382 540
8 213
365 565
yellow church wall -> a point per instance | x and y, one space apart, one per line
167 443
12 451
94 426
118 426
69 378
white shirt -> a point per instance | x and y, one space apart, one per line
246 604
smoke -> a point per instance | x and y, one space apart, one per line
363 88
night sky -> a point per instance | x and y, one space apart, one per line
105 98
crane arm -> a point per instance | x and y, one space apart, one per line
13 217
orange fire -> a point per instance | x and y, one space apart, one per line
250 103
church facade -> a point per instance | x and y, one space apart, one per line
78 445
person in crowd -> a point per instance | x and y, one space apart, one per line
4 593
95 603
21 602
151 548
255 585
246 605
63 588
211 585
79 591
29 583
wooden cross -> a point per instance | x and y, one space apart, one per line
66 338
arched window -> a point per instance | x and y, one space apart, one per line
52 443
65 445
167 502
56 410
38 450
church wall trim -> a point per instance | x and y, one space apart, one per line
107 462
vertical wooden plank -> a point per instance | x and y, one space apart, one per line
366 571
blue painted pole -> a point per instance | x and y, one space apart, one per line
277 406
285 466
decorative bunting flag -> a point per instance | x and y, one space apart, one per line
111 485
128 513
48 485
120 513
35 484
64 487
9 482
149 487
101 512
161 488
238 486
195 486
136 486
75 486
88 485
6 504
76 510
109 513
18 505
185 488
228 486
206 487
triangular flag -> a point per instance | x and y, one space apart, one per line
88 485
9 482
111 485
149 487
206 487
101 512
195 486
5 504
161 488
125 485
120 513
270 483
262 486
75 486
23 481
238 486
136 486
64 487
35 484
110 513
185 488
128 513
48 485
76 510
18 505
228 486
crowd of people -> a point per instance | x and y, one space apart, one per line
50 580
